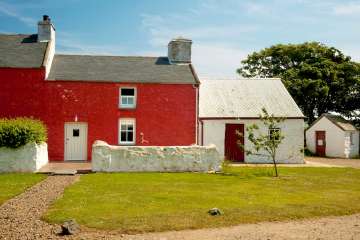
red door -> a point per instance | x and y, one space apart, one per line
320 143
233 151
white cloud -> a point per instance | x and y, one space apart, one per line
255 8
12 11
213 53
68 43
212 60
352 8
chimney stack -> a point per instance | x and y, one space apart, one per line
46 30
179 51
46 34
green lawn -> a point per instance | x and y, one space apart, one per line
12 184
141 202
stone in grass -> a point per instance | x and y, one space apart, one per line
215 212
69 227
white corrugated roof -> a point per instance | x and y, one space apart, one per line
245 98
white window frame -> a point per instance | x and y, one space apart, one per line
275 128
127 106
127 121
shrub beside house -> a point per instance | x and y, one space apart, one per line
23 145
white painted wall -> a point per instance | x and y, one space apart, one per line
290 150
107 158
337 140
352 150
28 158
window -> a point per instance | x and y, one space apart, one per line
274 133
76 132
127 98
127 131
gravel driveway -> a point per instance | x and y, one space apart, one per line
354 163
330 228
20 216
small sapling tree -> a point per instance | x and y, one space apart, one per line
264 142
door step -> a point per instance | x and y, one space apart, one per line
64 172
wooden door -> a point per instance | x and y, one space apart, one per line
320 143
75 141
233 151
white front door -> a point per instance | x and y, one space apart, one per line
75 141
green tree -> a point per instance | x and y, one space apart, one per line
319 78
267 142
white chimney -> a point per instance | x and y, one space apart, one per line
46 33
179 51
46 30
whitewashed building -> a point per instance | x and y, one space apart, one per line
333 136
229 105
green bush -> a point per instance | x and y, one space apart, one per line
308 153
17 132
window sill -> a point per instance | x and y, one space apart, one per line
126 144
127 108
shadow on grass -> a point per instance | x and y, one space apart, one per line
244 173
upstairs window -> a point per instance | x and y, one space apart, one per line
274 134
127 98
126 131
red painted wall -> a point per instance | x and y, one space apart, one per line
165 113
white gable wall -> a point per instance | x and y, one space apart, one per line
335 138
352 150
290 150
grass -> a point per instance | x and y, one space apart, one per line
12 184
145 202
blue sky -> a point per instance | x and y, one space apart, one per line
223 32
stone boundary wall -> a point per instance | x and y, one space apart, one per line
28 158
107 158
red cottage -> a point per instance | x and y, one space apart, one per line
83 98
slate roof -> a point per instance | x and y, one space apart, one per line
119 69
338 121
21 51
244 98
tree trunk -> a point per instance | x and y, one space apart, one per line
275 166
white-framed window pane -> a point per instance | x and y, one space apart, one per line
124 100
130 136
127 98
127 131
123 137
274 134
130 100
127 92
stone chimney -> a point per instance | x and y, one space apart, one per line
179 51
46 33
46 30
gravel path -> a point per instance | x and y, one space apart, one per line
329 228
354 163
20 216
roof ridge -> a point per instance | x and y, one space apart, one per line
237 79
121 56
17 34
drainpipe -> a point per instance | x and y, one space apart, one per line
202 132
196 87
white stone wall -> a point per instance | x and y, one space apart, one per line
28 158
334 137
290 150
107 158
